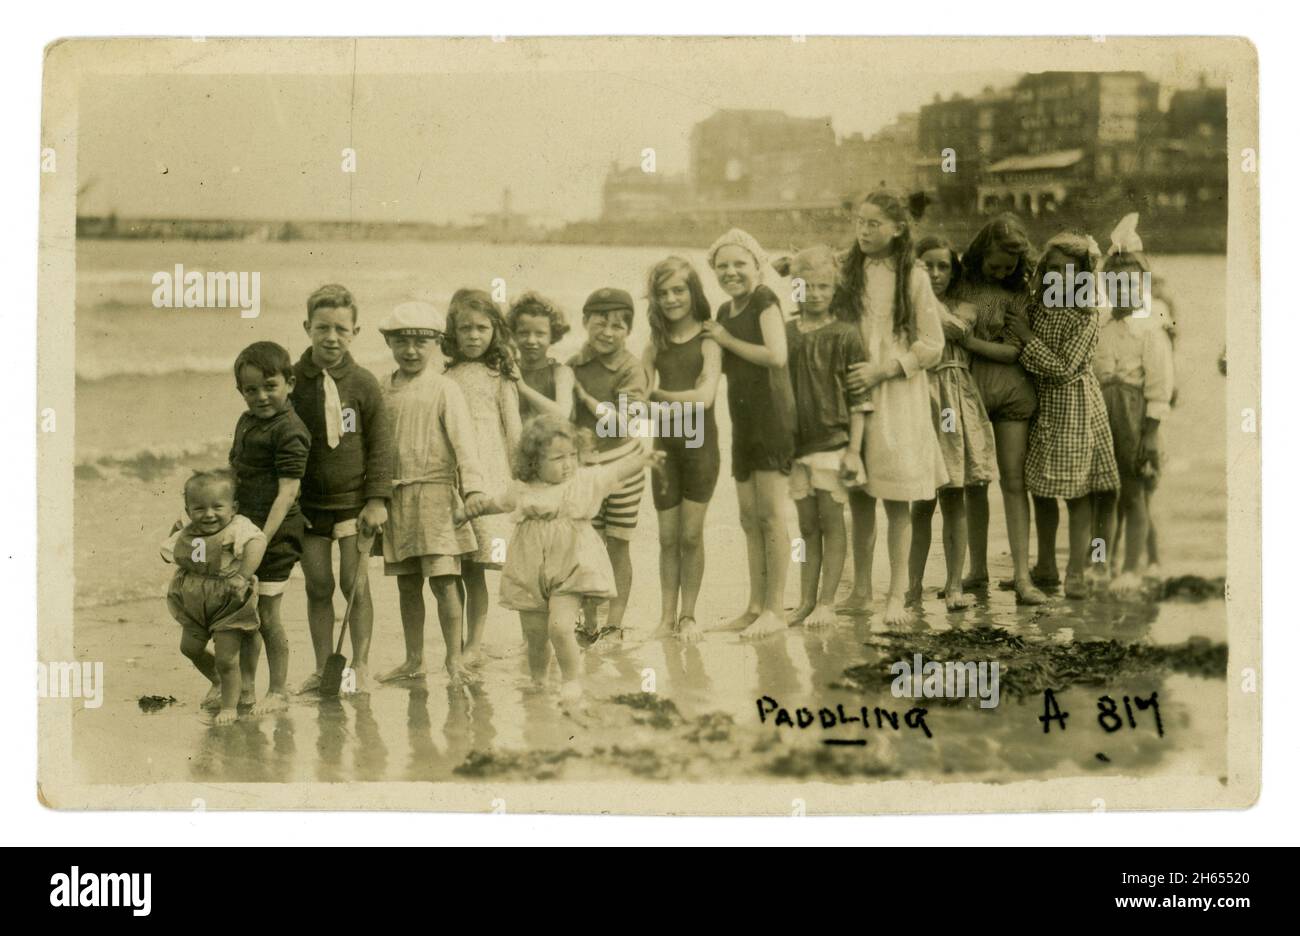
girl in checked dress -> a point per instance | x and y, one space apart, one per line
1070 455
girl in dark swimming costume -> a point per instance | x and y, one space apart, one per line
685 365
751 330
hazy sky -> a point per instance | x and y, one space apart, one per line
433 147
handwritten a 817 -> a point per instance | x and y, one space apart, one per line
1108 713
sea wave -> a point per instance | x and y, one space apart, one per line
151 461
90 371
202 365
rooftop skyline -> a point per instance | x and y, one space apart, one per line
431 148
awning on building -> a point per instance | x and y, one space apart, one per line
1057 159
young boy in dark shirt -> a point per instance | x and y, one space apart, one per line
348 482
268 458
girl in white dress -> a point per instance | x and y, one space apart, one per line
479 359
888 295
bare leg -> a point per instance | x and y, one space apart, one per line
899 517
670 569
1135 517
1134 504
977 528
1080 509
410 602
361 623
1104 527
863 508
196 651
250 653
1153 544
476 605
1047 518
811 567
562 614
277 655
771 492
1012 439
451 619
746 497
620 557
534 626
228 645
952 503
835 544
317 570
690 537
922 518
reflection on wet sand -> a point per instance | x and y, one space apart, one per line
655 709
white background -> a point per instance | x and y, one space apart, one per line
29 27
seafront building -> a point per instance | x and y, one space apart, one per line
1082 144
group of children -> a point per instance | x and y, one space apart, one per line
911 374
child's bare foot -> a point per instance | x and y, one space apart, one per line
310 684
227 716
896 613
272 703
687 630
821 616
798 615
741 621
1097 574
1046 581
472 656
212 701
409 669
571 691
667 628
912 596
975 582
1045 576
856 603
360 681
1076 587
955 599
1027 594
247 697
461 675
1129 583
766 623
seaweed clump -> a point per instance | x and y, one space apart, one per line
1026 668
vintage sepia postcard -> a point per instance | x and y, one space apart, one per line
737 426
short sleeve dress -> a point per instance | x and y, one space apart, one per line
961 424
555 549
489 395
200 597
901 453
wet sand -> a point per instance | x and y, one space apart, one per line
701 722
